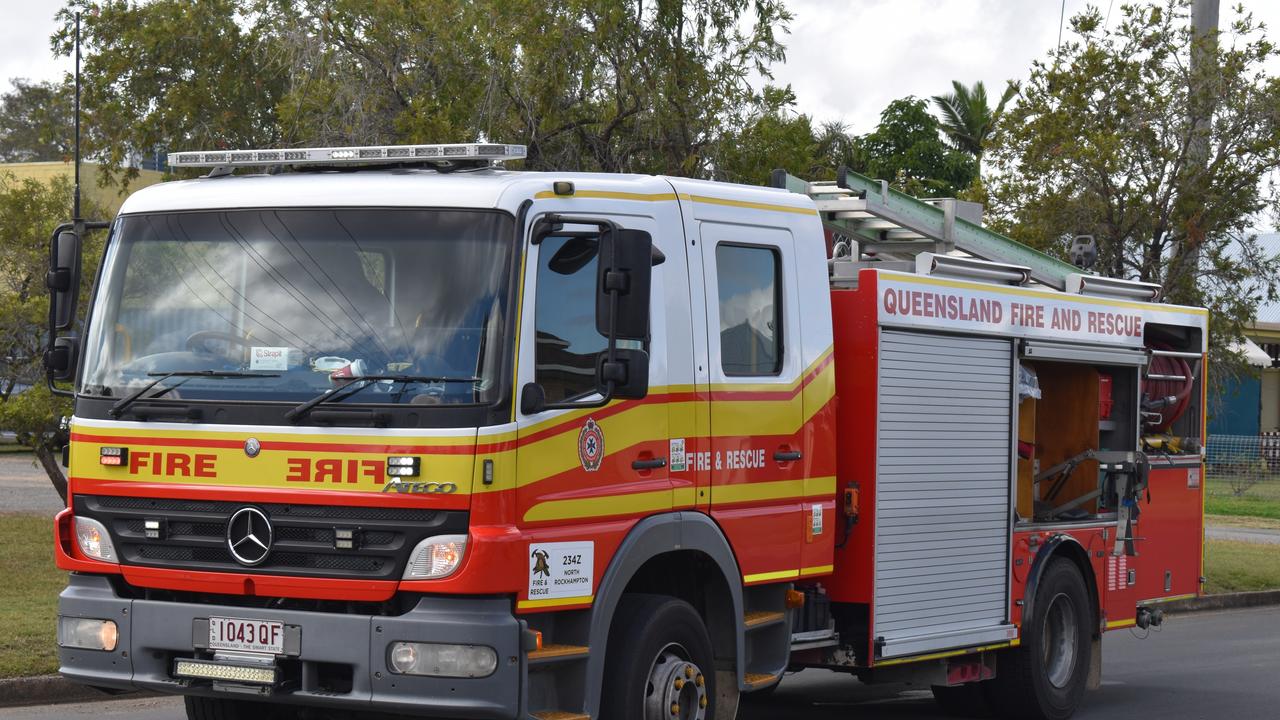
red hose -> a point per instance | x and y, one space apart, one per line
1155 390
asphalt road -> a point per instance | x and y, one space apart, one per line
24 487
1207 665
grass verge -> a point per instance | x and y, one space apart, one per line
1233 566
28 596
1244 506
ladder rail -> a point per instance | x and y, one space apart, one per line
869 211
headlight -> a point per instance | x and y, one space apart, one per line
438 660
436 557
87 633
93 539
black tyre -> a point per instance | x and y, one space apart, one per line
659 664
204 708
967 701
1045 677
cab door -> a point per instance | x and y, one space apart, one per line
586 475
756 404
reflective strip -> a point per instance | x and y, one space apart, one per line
555 602
764 577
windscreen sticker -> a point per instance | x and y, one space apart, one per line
269 358
561 570
678 462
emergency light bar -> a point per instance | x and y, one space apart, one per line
440 154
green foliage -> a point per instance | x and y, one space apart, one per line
771 140
29 210
171 74
1103 141
36 122
967 119
586 84
906 149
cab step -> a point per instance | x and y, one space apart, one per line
555 653
761 618
560 715
759 681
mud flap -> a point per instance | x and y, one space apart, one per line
1095 666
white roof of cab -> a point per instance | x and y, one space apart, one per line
413 188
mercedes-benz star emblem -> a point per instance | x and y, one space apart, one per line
249 536
252 447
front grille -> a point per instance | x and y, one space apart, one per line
194 535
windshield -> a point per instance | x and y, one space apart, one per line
300 302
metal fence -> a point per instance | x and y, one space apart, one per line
1245 466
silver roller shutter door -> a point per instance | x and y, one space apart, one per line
942 491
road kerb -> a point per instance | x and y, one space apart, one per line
51 690
1224 601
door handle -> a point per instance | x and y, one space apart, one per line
649 464
786 455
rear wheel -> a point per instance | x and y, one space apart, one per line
659 664
1045 677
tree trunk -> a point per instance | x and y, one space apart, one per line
51 467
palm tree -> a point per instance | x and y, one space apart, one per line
967 119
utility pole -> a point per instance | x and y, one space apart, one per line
1200 108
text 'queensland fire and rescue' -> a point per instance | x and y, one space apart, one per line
932 305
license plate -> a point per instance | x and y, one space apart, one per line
262 636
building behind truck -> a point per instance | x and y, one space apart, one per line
399 430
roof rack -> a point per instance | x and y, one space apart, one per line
897 227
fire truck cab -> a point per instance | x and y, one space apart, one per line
402 431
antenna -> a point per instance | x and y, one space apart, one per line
75 208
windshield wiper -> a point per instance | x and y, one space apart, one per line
360 382
123 404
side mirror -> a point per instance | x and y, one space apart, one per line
533 399
60 361
64 278
628 372
622 289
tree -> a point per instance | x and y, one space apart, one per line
36 122
907 150
967 120
587 84
169 75
775 139
1098 144
28 212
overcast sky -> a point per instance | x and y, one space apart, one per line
846 59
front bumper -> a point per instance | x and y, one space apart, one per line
153 634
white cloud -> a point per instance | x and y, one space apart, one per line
24 42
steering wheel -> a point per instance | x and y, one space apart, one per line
197 342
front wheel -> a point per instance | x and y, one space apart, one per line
1045 677
659 664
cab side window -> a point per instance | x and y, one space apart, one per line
750 291
566 343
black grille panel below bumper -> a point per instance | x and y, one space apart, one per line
194 535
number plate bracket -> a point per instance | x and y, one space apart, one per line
292 637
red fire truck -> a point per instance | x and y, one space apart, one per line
394 429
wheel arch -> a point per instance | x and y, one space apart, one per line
1067 547
687 537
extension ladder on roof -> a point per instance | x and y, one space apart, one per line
895 226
